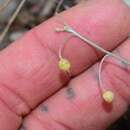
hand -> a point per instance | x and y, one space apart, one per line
33 87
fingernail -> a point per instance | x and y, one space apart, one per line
127 2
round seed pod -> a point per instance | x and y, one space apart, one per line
64 64
108 96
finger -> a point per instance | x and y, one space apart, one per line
8 120
96 24
80 106
28 69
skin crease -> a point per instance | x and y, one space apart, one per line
33 75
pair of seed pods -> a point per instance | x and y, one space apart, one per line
65 65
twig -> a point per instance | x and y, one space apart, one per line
69 29
58 6
63 45
11 20
5 5
99 73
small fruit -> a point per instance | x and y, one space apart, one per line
108 96
64 64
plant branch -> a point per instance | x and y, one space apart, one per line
5 5
11 20
69 29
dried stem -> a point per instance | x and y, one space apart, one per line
63 45
69 29
12 20
58 6
99 73
5 5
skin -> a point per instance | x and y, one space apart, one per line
33 87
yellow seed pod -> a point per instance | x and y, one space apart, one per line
108 96
64 64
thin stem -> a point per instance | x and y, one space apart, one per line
93 44
63 45
5 5
12 20
58 6
99 73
